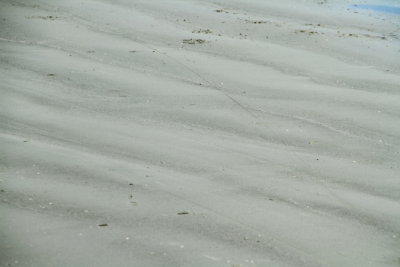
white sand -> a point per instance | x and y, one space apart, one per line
280 138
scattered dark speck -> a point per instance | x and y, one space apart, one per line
183 213
194 41
103 225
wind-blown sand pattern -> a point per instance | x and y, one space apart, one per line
198 133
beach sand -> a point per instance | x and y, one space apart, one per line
198 133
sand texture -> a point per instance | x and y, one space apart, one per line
198 133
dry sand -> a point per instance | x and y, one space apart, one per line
198 133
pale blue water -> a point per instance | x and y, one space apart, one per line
380 8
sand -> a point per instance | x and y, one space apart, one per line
198 133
